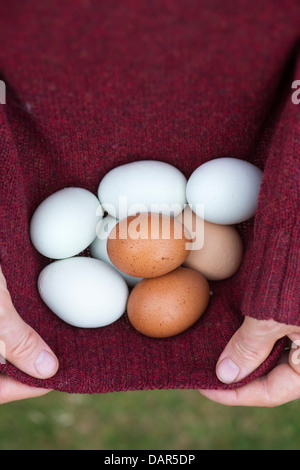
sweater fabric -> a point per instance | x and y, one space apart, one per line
91 85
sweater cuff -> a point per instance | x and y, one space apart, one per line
273 277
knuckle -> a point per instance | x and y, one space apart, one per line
246 349
24 346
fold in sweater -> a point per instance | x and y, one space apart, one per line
92 85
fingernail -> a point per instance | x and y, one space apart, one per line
227 371
46 364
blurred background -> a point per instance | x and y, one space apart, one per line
146 420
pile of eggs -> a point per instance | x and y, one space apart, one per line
155 241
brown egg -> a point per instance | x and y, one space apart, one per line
217 250
148 245
167 305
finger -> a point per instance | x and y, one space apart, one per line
20 344
280 386
2 279
294 355
11 390
248 348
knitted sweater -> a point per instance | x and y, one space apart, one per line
91 85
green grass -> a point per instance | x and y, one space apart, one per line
150 420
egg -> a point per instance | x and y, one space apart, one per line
65 223
226 188
148 245
143 186
217 250
165 306
84 292
98 248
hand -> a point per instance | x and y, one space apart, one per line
23 347
247 349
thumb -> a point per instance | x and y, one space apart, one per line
20 344
247 349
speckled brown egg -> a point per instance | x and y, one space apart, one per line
217 250
148 245
168 305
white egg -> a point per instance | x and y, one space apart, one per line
98 248
84 292
143 186
65 223
226 189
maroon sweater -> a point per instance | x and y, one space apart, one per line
91 85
